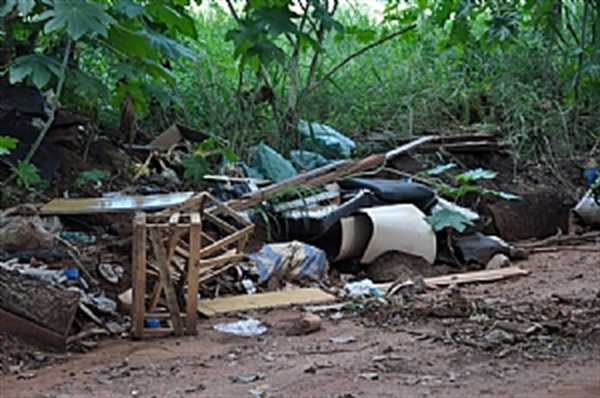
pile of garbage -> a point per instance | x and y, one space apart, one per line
325 214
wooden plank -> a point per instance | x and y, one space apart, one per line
173 241
211 177
222 244
193 272
13 324
38 301
161 258
155 296
139 274
468 277
211 274
221 223
263 300
220 260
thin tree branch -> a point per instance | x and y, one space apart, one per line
363 50
59 87
314 63
232 10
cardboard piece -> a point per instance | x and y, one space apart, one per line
263 300
174 134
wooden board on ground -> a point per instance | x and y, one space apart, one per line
14 324
263 300
469 277
38 301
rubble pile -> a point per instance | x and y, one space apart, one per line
144 252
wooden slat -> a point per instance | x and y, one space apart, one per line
155 296
221 223
223 243
218 261
209 275
193 270
139 274
468 277
263 300
161 258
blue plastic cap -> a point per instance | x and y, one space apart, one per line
72 273
152 323
591 174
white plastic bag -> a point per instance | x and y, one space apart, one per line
588 210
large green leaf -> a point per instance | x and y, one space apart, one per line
89 87
7 144
474 175
27 174
195 168
278 19
446 218
36 66
170 48
321 14
130 43
135 90
77 16
129 8
24 7
175 20
441 169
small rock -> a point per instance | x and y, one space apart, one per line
196 388
339 315
40 357
26 376
412 381
307 324
499 336
451 377
269 357
259 392
369 376
343 339
249 378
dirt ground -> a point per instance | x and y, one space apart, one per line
377 351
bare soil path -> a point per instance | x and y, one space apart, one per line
401 357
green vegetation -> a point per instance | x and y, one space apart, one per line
248 71
90 176
465 183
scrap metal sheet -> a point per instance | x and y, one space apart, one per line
114 204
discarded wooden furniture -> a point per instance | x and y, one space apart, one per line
186 245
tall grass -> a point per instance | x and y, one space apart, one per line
407 87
